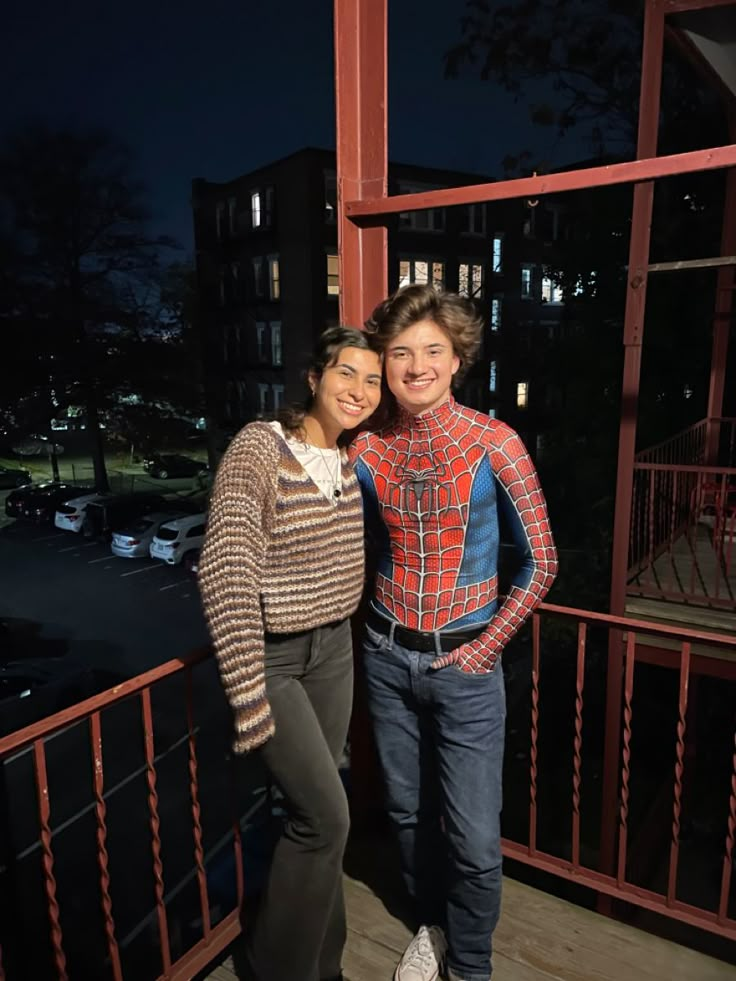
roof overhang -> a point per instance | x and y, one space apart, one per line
707 35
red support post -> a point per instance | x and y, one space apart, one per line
362 172
649 99
362 154
725 286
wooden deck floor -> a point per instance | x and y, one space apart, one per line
538 938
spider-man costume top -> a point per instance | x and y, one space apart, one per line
433 486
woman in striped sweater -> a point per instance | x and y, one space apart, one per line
280 574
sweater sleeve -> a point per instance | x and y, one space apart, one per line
230 574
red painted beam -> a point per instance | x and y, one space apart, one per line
632 171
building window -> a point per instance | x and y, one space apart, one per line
422 271
493 377
551 293
261 342
255 209
491 413
474 219
527 282
497 254
235 280
496 312
278 396
263 398
333 276
429 220
223 286
220 219
522 395
274 280
330 197
470 280
276 352
529 224
258 289
232 215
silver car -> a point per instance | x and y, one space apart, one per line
133 542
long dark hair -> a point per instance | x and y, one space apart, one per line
326 352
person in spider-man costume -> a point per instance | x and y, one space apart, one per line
435 481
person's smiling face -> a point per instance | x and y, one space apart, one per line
420 364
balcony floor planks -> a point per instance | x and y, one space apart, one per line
539 938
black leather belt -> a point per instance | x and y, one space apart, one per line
419 640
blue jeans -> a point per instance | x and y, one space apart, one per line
440 738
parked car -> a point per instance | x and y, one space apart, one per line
103 517
13 477
165 465
176 541
134 541
38 502
70 515
35 687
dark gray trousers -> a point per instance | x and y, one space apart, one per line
299 930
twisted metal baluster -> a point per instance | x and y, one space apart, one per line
95 735
679 767
534 736
626 756
578 743
158 878
728 856
47 858
196 811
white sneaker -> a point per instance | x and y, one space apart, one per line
423 957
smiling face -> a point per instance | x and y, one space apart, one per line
420 363
347 391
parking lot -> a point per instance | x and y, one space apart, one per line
130 614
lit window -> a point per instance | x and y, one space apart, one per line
497 254
263 397
493 377
274 282
470 280
276 352
522 395
496 307
220 218
551 293
333 276
261 341
491 413
419 271
232 215
258 276
526 282
255 209
278 396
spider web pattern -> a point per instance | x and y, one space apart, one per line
436 494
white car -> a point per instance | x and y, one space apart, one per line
70 515
175 540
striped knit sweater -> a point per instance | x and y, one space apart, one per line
277 557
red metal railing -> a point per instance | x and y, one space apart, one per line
35 737
581 626
713 915
682 534
689 445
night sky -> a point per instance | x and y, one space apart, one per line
219 88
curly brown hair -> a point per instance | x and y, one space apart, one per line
456 315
